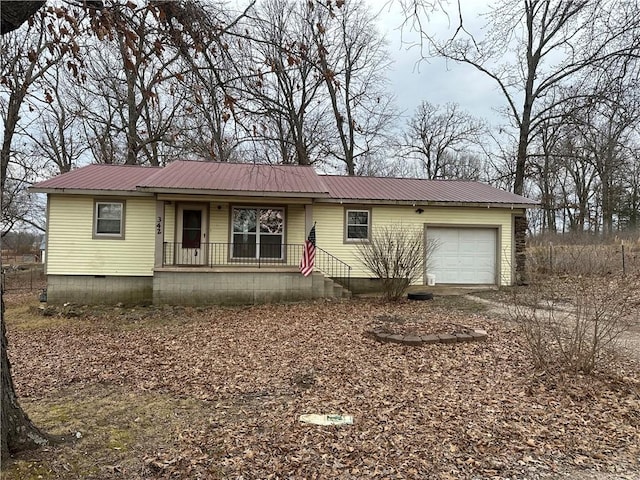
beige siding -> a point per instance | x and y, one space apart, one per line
295 224
73 250
219 223
330 228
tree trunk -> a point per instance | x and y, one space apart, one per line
15 14
18 432
520 222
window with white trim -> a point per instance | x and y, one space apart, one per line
358 223
109 219
257 232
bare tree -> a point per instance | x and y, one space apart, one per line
545 172
27 56
131 92
279 94
352 62
208 128
578 182
629 210
57 134
605 128
437 136
17 432
586 149
553 41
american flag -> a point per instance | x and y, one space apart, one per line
309 253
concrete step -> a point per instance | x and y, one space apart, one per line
318 285
328 287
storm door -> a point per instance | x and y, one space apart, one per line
191 248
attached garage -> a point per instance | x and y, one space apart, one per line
463 255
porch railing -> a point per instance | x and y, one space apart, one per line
270 255
229 254
333 267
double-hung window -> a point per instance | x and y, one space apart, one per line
358 225
257 232
108 219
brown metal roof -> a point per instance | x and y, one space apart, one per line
239 178
236 177
99 177
417 190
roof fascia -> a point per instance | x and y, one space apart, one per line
232 193
416 203
234 199
82 191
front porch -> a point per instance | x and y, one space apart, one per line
224 273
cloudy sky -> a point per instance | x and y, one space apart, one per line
436 80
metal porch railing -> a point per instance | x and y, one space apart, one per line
333 267
259 256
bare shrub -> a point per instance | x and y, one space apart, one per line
579 330
397 256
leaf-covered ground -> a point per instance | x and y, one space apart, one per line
216 393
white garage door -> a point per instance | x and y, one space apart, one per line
463 255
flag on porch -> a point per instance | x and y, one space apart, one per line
308 253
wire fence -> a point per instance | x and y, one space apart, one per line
590 259
30 278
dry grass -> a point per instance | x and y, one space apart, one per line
584 259
215 393
117 428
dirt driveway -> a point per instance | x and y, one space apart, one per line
629 341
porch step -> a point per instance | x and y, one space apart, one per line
328 287
325 287
319 282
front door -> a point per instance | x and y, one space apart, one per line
191 248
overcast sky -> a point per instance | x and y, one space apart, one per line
436 80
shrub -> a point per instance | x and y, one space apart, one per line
397 256
578 331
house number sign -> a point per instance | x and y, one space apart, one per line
159 226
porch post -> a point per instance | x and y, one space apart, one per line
159 230
308 219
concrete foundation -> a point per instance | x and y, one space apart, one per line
359 285
192 286
208 288
99 289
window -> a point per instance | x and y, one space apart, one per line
191 228
258 233
357 225
109 219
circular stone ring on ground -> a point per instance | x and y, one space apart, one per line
414 340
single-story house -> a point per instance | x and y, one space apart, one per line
206 232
